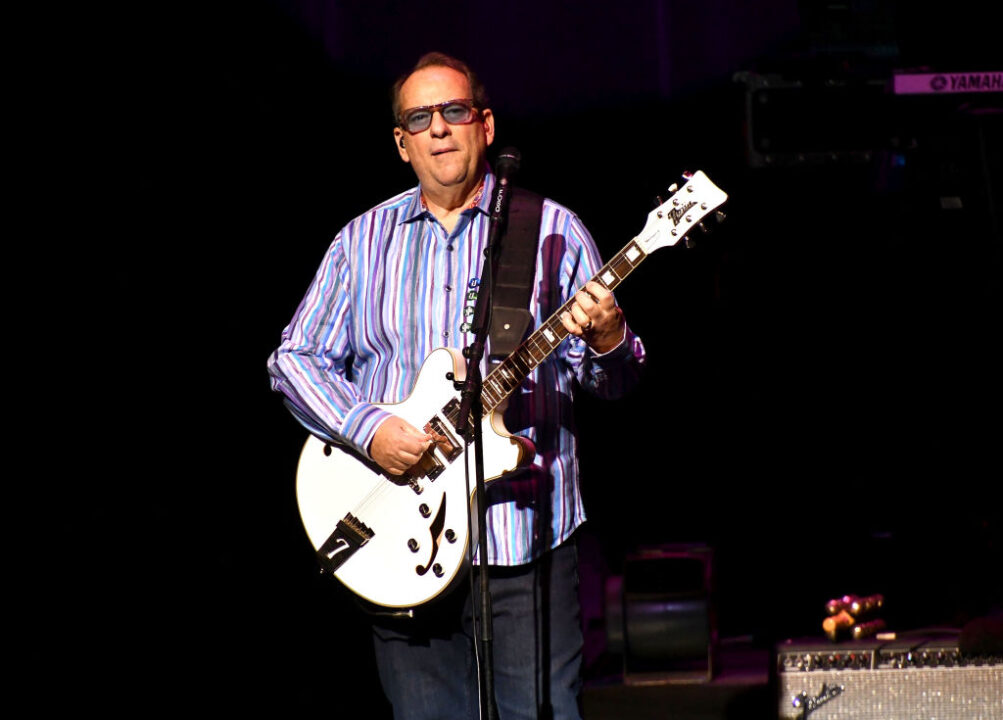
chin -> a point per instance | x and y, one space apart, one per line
451 179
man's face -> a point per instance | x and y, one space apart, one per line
444 157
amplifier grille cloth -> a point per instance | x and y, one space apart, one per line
943 693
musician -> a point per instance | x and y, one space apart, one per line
393 287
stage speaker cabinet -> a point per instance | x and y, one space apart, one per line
912 677
669 626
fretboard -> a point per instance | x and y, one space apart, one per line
507 376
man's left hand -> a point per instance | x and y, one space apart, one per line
595 318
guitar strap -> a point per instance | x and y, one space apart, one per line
515 267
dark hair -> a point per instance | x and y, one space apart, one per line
438 59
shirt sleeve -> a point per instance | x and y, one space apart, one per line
311 365
611 374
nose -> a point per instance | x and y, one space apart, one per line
439 126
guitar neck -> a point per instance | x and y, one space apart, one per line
509 375
667 224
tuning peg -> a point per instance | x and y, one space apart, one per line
687 174
689 242
720 216
704 229
658 200
673 187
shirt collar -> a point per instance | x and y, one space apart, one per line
415 211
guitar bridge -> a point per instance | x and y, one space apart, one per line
428 466
349 535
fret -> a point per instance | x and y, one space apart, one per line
536 349
527 358
500 384
506 373
521 366
497 386
557 327
622 268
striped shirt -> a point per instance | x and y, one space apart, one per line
394 286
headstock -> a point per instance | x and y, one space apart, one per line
671 221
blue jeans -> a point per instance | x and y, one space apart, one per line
427 664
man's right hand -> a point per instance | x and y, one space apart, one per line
396 446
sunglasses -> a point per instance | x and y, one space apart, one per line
454 112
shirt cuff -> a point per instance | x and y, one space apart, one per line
616 354
361 424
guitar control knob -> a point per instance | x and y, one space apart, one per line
412 545
437 569
423 509
450 535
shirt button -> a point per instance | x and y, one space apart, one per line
445 333
450 247
449 288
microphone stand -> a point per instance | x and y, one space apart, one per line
471 413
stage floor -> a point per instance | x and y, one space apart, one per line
739 690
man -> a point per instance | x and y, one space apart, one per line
392 288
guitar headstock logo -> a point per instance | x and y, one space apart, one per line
677 213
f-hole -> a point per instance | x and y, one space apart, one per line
435 530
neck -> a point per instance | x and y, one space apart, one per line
446 204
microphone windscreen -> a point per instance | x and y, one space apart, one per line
508 162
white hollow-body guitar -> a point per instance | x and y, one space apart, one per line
400 541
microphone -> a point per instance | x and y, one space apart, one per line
507 165
505 169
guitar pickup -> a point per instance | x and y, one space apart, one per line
349 535
445 441
452 413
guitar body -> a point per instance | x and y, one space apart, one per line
407 538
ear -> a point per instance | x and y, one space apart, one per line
401 144
488 120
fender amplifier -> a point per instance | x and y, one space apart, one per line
911 677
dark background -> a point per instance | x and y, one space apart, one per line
822 397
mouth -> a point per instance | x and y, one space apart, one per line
442 151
